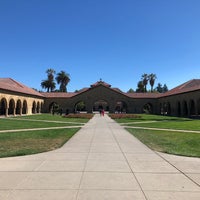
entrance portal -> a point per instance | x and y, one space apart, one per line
101 105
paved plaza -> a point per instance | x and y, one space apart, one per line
101 162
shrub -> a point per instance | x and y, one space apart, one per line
122 115
80 115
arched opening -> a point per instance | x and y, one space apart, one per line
121 107
185 108
80 107
192 107
34 108
148 108
161 109
24 108
54 108
178 109
18 107
167 108
11 109
3 106
38 107
101 105
198 106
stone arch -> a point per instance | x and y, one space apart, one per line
11 108
198 106
167 108
185 108
18 107
54 107
34 107
192 107
38 107
80 106
3 106
178 108
148 108
121 107
24 107
101 104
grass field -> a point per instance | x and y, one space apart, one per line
31 142
168 141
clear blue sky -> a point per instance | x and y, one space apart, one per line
116 40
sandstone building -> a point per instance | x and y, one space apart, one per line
18 99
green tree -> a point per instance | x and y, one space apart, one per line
165 88
130 90
145 79
49 83
63 79
159 88
140 87
152 78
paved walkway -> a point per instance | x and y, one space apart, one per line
101 162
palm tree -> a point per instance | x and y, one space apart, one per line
49 83
63 79
152 78
145 79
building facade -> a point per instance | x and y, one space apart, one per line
18 99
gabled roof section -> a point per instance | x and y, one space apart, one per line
11 85
101 83
189 86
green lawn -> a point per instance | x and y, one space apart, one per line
179 143
31 142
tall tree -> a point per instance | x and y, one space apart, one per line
152 78
63 79
49 83
145 79
165 88
159 88
140 87
130 90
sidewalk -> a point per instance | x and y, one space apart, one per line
101 162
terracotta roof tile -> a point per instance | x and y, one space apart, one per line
142 95
189 86
58 94
14 86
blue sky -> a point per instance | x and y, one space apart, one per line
116 40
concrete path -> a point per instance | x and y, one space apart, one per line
101 162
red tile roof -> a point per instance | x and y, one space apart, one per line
59 94
143 95
14 86
101 83
189 86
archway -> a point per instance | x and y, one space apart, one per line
38 107
3 106
34 108
192 107
167 108
11 109
54 108
178 109
121 107
18 107
148 108
185 108
80 107
24 108
100 105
